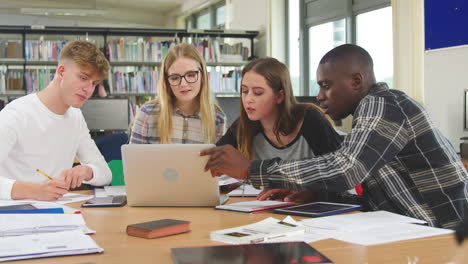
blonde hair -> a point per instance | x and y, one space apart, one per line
87 56
166 99
290 113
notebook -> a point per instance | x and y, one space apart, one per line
169 175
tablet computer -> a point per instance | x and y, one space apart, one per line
318 209
109 201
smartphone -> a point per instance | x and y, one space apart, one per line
109 201
318 209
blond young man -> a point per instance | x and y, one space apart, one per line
46 131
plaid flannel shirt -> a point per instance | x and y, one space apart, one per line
185 129
404 163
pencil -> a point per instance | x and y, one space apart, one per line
45 174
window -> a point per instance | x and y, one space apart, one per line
293 45
323 38
211 17
374 33
220 16
325 24
204 21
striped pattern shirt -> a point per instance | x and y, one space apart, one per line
185 129
404 163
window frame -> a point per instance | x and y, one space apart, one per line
211 10
328 13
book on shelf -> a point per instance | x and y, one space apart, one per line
158 228
221 82
12 49
138 50
214 50
43 50
265 230
14 79
134 82
271 253
3 70
253 206
37 79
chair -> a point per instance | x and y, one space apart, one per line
109 146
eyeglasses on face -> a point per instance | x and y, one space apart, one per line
176 79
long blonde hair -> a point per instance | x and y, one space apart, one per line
166 99
290 113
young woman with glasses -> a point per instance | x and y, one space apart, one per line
184 110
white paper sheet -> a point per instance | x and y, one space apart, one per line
115 190
390 233
358 221
47 245
226 180
268 229
67 198
24 224
247 190
309 236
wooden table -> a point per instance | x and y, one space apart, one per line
110 224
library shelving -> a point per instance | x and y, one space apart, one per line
28 56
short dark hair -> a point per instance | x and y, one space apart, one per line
348 51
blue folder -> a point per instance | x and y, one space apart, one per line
28 209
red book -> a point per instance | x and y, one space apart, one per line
158 228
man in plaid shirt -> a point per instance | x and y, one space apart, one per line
404 163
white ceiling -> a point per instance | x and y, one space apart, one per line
158 13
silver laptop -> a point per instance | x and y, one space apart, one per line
168 175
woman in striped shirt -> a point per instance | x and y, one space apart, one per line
185 110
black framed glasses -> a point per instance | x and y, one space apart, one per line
176 79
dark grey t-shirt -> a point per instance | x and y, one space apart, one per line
298 149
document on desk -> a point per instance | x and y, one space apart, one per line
110 191
268 229
25 224
390 233
68 198
247 190
47 245
358 221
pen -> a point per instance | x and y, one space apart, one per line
45 174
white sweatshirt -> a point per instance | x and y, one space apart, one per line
33 137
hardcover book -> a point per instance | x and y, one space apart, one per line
158 228
271 253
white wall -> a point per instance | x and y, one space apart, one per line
446 72
252 15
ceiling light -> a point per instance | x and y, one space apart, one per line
63 11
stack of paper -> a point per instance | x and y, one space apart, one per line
265 230
47 245
372 228
25 224
110 191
